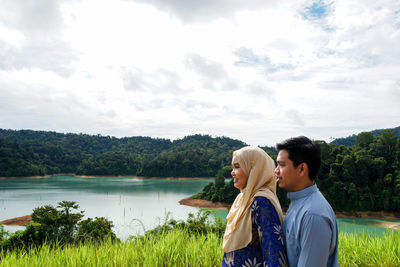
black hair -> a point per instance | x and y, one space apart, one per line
301 149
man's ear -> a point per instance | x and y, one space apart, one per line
302 169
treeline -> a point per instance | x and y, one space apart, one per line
363 177
351 140
192 156
33 153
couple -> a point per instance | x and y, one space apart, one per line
253 235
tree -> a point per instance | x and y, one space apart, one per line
364 139
349 168
386 146
59 226
219 179
396 191
95 230
3 233
68 220
387 192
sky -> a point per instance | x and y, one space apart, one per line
258 71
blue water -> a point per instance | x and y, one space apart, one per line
133 205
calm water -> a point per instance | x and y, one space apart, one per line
132 204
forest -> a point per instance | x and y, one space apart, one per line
362 176
33 153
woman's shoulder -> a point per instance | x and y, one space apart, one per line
263 207
261 201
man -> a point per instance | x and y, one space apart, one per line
310 227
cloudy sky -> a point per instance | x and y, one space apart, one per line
259 71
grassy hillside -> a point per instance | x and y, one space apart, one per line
179 248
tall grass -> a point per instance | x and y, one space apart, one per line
369 250
178 248
174 248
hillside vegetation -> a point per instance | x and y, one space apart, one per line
351 140
32 153
362 177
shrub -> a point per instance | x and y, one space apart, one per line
201 223
96 230
58 226
3 233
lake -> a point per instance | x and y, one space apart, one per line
133 205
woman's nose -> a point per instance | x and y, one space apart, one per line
232 173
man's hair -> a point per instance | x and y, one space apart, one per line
301 149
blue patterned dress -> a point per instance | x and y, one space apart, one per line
266 247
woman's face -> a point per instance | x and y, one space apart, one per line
239 178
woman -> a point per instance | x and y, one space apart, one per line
253 233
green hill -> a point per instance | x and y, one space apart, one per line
31 153
351 140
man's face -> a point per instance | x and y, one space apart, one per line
239 178
287 176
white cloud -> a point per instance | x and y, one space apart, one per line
259 72
193 11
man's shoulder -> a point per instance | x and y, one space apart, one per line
317 205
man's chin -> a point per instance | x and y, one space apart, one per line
280 185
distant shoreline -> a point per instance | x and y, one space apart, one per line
106 176
368 214
18 221
201 203
143 177
35 176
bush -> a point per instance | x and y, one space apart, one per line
201 223
96 230
32 236
58 226
3 233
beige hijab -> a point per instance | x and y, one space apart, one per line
259 170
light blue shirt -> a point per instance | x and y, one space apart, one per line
310 230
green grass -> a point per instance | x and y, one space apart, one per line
369 250
178 248
175 248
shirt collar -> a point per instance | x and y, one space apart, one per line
302 193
